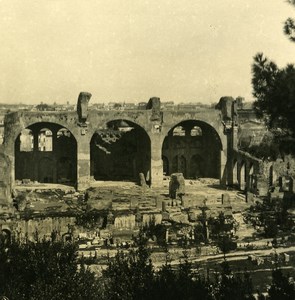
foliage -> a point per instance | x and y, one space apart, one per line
220 232
155 231
274 91
90 219
271 216
289 26
233 287
138 280
281 288
268 148
43 107
129 276
47 270
44 270
200 234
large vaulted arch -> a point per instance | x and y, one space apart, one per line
193 148
120 152
47 153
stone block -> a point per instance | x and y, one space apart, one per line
179 217
26 181
148 218
159 203
134 202
249 197
125 221
82 106
142 181
225 199
155 105
225 105
165 216
176 186
193 202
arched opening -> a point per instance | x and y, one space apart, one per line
196 131
47 153
243 176
178 131
120 152
45 140
193 148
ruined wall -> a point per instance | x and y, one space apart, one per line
5 180
248 173
195 152
85 123
40 228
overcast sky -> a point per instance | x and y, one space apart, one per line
131 50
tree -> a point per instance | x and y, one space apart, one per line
44 270
130 275
274 91
289 26
281 288
233 287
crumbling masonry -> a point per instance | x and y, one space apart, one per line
80 147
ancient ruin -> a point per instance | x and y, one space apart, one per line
99 176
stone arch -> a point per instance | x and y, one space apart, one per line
28 121
120 152
53 157
196 139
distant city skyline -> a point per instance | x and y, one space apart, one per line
191 51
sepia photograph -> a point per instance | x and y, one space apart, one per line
147 150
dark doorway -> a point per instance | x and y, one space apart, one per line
47 153
194 149
120 152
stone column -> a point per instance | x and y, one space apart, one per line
232 141
83 162
36 155
235 137
223 167
156 159
54 154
